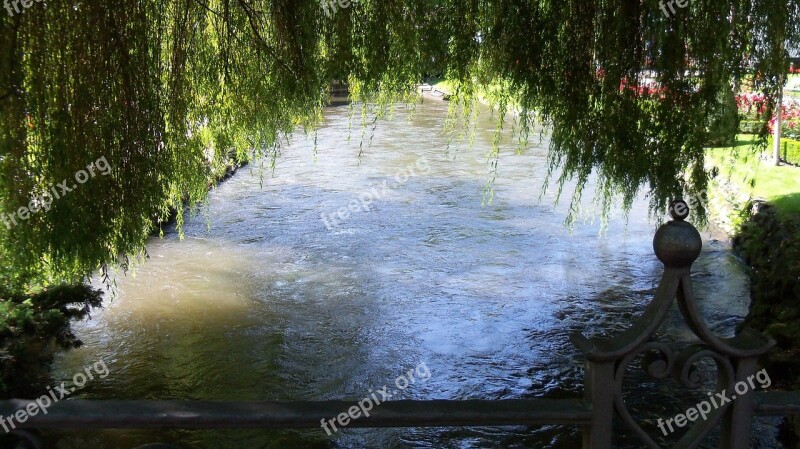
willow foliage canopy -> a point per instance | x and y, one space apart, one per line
166 90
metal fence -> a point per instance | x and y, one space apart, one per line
677 244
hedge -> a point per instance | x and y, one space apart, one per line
751 126
791 150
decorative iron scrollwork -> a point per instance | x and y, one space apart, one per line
677 244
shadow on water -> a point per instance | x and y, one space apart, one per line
271 304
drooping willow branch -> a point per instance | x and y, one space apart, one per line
169 92
262 44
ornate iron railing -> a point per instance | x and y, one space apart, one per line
677 244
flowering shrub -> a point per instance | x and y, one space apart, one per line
647 89
753 106
790 121
792 130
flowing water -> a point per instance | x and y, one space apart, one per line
337 274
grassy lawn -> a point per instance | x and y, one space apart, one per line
442 85
483 93
741 165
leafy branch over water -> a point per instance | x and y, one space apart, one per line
166 90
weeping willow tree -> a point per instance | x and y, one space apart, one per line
166 90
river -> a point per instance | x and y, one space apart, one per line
336 274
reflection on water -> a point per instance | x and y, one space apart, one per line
270 298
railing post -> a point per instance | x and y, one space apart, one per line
677 244
737 423
599 393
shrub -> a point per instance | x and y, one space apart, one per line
790 150
791 129
30 325
771 247
751 126
724 121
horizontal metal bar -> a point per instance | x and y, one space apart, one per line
99 414
778 403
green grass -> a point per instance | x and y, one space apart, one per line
483 93
780 186
442 85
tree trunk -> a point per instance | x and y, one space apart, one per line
777 131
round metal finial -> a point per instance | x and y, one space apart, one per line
678 210
677 243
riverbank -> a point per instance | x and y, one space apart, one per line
216 176
34 325
443 89
758 205
742 178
